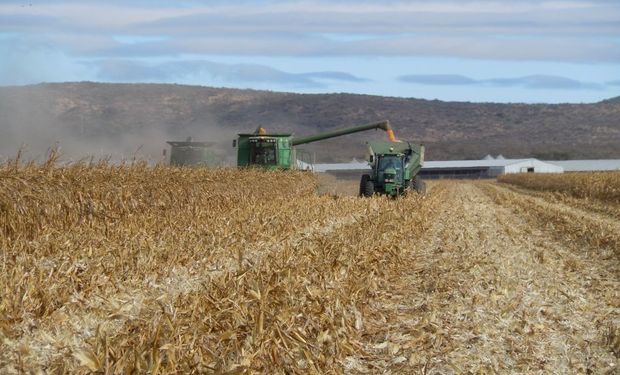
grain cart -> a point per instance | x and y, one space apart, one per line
277 151
395 167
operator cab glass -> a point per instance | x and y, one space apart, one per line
390 161
263 151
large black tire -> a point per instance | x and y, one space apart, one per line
418 185
367 187
370 188
365 178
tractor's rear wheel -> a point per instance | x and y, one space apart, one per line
367 187
418 185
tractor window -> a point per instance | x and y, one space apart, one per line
263 152
390 161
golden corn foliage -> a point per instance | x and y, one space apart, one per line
131 268
603 186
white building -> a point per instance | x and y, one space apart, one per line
485 168
353 165
588 165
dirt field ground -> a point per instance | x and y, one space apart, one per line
473 277
510 290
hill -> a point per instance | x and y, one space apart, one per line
136 119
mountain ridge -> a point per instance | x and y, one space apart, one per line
122 117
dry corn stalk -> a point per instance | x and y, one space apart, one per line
602 186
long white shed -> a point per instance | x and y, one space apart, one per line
531 165
485 168
588 165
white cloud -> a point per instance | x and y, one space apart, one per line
355 17
55 39
178 71
538 81
578 30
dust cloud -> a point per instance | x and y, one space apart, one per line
31 126
37 142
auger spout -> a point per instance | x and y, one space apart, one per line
383 125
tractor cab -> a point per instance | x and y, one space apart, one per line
390 170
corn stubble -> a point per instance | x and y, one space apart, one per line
582 206
121 269
132 269
601 186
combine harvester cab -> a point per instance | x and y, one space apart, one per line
269 151
395 167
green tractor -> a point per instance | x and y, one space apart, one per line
277 151
395 167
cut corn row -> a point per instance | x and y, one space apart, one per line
602 186
300 311
94 255
173 270
576 224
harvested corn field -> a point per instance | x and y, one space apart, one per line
601 186
168 270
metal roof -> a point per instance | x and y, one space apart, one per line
437 164
190 144
264 135
484 163
588 165
567 165
353 165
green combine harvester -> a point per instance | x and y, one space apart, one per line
277 151
395 167
190 153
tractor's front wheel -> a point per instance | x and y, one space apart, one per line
418 185
367 187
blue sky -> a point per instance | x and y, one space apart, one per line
502 51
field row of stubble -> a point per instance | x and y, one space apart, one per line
585 205
597 190
602 186
585 222
118 269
